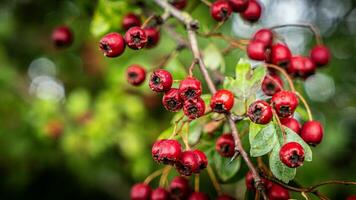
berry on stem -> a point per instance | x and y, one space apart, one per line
238 5
198 196
292 124
220 10
225 145
135 74
179 188
320 55
312 132
130 20
257 50
172 101
202 160
253 11
249 181
272 84
153 36
188 163
161 80
136 38
194 108
112 45
265 36
166 151
260 112
222 101
190 88
280 55
300 66
140 191
284 102
62 36
159 194
292 154
179 4
278 192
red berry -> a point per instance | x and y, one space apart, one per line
292 123
249 181
172 101
272 84
238 5
300 66
225 145
179 4
159 194
194 108
136 38
202 160
179 188
188 163
198 196
312 132
161 80
278 192
135 74
112 45
320 55
140 191
265 36
190 88
153 36
220 10
284 102
225 197
257 50
166 151
352 197
130 20
280 55
253 11
62 36
292 154
260 112
222 101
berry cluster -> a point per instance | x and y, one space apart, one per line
250 10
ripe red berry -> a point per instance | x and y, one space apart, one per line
312 132
179 4
225 197
135 74
272 84
352 197
300 66
278 192
179 188
284 102
172 101
225 145
190 88
188 163
112 45
194 108
265 36
222 101
280 55
159 194
249 181
257 50
202 160
153 36
62 36
161 80
220 10
140 191
130 20
292 124
320 55
238 5
253 11
166 151
292 154
136 38
260 112
198 196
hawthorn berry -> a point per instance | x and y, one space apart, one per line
260 112
112 45
272 84
202 160
194 108
190 88
198 196
278 192
188 163
300 66
153 36
179 188
280 55
265 36
284 102
179 4
225 197
136 38
320 55
292 154
166 151
238 5
135 74
252 12
257 50
130 20
159 194
292 124
220 10
140 191
172 101
352 197
312 132
62 36
225 145
222 101
249 181
161 80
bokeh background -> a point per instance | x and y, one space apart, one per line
72 127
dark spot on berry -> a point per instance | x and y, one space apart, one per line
105 47
156 80
219 107
283 64
284 110
132 75
257 112
192 110
190 94
225 148
172 103
295 158
271 87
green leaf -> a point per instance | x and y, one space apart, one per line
224 169
166 133
264 141
279 170
213 57
195 132
291 136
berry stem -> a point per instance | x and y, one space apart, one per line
206 2
164 176
217 26
305 195
232 41
148 20
214 180
290 82
280 126
175 126
274 81
196 183
306 105
152 176
191 68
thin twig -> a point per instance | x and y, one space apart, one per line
214 180
306 105
290 81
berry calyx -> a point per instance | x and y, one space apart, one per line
198 196
159 194
153 36
292 124
140 191
225 197
188 163
280 55
320 55
253 11
292 154
256 50
312 132
130 20
202 160
179 188
112 45
136 38
179 4
190 88
222 101
166 151
265 36
225 145
172 101
62 36
194 108
161 80
300 66
272 84
284 102
260 112
135 74
278 192
220 10
238 5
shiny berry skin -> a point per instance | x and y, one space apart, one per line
253 11
130 20
280 55
112 45
272 84
220 10
62 36
179 188
153 36
278 192
194 108
198 196
166 151
257 50
136 38
225 197
135 74
284 103
260 112
222 101
190 88
292 124
202 160
300 66
161 80
172 101
179 4
225 145
238 5
250 183
265 36
312 132
159 194
140 191
320 55
188 163
292 154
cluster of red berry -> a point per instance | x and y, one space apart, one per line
249 10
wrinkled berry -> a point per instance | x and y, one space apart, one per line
166 151
272 84
222 101
292 154
260 112
130 20
220 10
112 45
179 188
135 74
136 38
188 163
161 80
190 88
225 145
172 101
153 36
284 103
194 108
